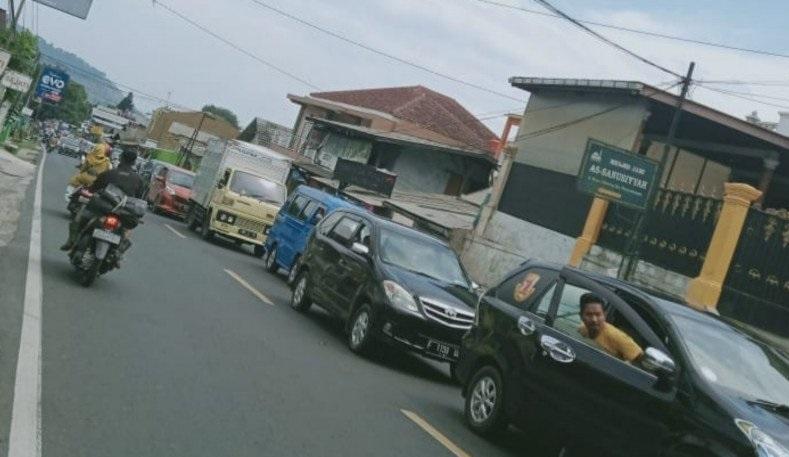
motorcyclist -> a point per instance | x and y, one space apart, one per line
124 177
96 163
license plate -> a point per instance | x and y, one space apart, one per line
441 349
106 235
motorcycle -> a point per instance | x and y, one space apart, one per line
102 240
76 198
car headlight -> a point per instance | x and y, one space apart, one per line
399 297
765 445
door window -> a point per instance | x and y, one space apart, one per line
310 209
345 230
297 206
568 313
364 236
329 223
524 287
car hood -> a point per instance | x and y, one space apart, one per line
422 286
774 424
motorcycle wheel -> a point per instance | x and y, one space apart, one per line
86 277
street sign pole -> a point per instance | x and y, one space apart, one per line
632 251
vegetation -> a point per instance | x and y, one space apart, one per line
127 104
74 108
23 49
224 113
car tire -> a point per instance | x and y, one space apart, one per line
205 229
361 329
300 297
257 250
484 410
270 259
293 272
191 219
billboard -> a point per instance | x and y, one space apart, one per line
16 81
78 8
52 84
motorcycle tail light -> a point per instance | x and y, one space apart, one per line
111 222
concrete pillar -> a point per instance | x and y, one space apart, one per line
705 290
594 222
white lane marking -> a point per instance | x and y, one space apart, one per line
175 231
249 287
432 431
25 437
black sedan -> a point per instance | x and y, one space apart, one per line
702 386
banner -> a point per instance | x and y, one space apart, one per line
16 81
52 85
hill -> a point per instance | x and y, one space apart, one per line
99 88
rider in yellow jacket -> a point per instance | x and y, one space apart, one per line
97 162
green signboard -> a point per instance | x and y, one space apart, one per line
617 175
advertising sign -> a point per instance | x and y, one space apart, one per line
16 81
52 85
617 175
5 57
78 8
366 176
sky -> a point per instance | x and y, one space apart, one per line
143 45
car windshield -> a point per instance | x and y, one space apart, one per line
180 179
248 185
731 359
422 256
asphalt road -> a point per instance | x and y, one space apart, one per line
172 356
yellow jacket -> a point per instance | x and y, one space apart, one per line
96 163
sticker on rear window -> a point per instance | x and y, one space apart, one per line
526 287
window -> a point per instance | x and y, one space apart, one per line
310 209
542 306
568 314
329 223
344 230
298 204
522 288
364 236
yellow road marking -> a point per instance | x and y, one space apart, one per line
175 231
249 287
438 436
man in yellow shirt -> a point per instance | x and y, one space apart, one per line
605 335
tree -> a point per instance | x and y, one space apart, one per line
224 113
74 108
127 104
23 49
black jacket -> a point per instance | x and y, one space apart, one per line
124 177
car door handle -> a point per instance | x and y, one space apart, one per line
558 350
526 326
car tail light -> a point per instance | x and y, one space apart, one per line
111 222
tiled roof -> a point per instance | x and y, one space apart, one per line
422 106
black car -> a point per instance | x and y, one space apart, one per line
704 385
388 283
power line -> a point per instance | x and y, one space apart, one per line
758 95
602 38
743 97
642 32
382 53
735 82
236 47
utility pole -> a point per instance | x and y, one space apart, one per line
630 259
193 138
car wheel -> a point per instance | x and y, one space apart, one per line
270 259
205 229
257 250
294 270
300 297
360 336
191 220
484 402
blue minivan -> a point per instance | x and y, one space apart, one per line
305 207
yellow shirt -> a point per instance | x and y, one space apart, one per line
615 342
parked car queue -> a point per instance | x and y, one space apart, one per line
701 385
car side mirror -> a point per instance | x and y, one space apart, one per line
360 249
661 364
479 290
315 218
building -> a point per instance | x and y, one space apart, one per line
161 128
108 118
429 140
269 134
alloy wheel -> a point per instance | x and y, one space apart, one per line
298 292
361 326
483 399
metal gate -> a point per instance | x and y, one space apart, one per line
756 290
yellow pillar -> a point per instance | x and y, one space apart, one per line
705 290
594 222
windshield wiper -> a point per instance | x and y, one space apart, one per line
771 405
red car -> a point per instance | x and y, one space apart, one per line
170 190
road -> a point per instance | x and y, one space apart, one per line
173 356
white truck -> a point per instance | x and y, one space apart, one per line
237 191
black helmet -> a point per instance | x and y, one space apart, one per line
128 156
